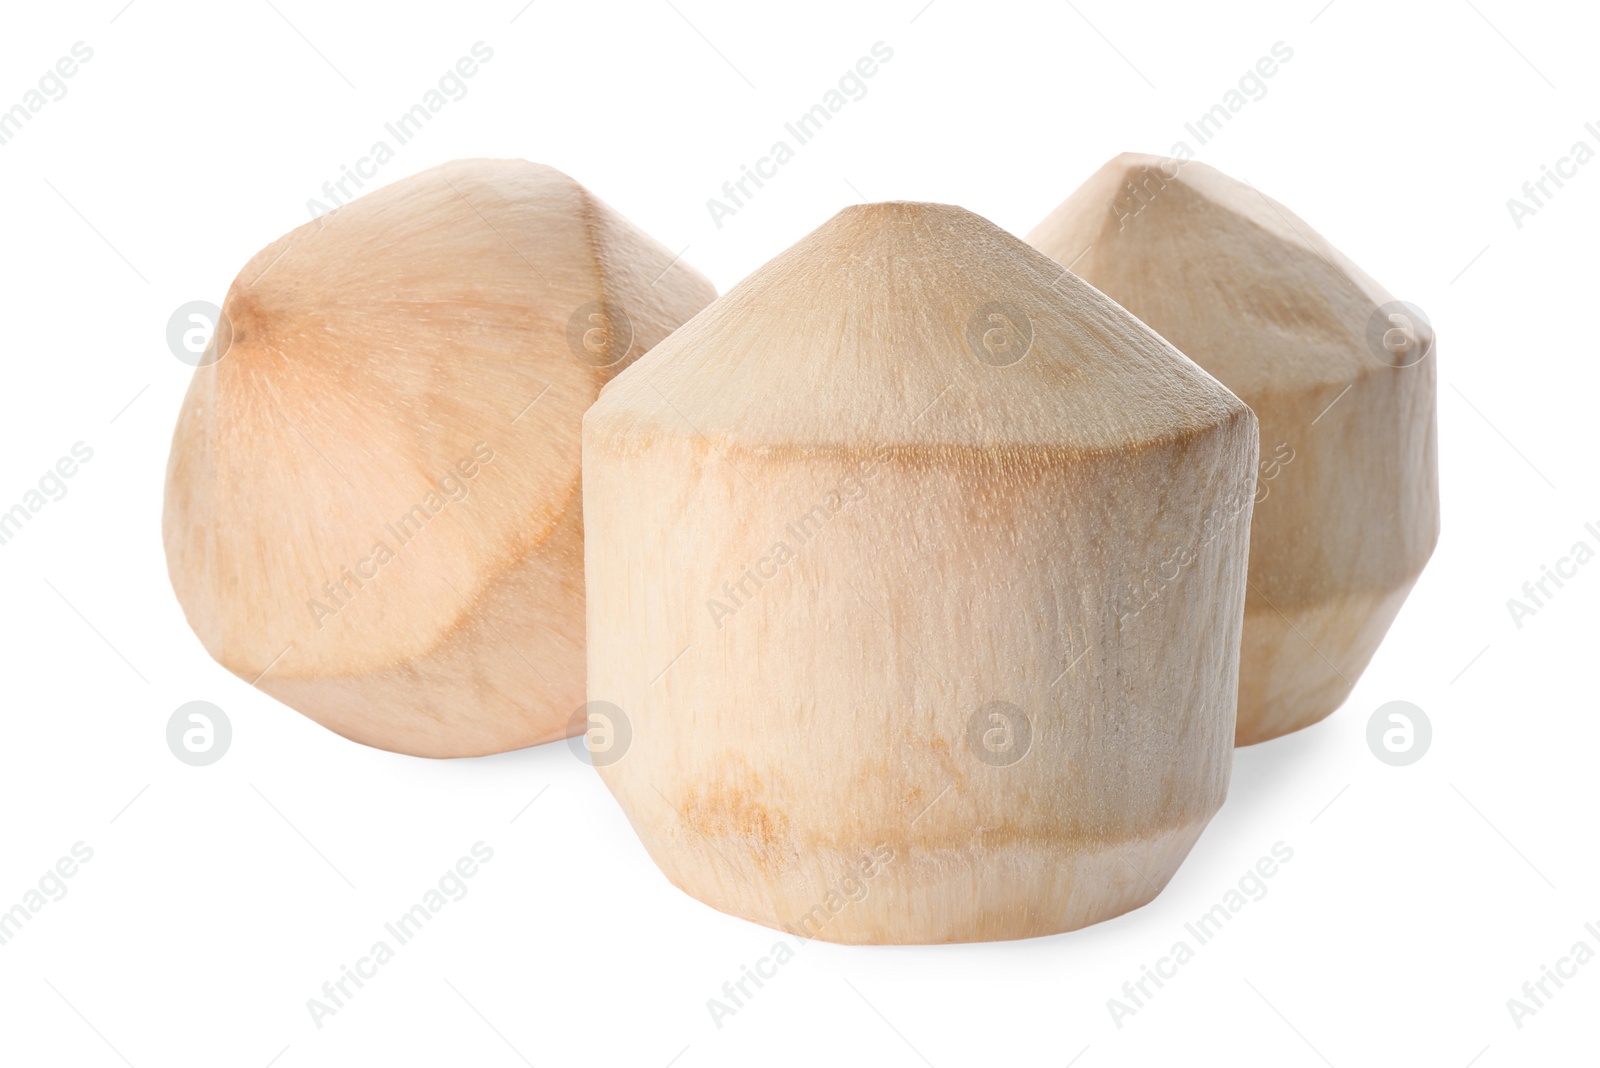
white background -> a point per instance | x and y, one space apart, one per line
219 899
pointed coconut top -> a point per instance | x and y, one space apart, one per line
912 324
368 360
1231 277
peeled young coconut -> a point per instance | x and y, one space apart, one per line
373 497
881 684
1342 378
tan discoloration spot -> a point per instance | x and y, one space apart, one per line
738 806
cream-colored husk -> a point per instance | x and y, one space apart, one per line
373 505
826 532
1349 508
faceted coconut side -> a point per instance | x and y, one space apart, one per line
862 595
1348 511
373 505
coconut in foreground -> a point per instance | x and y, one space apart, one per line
862 536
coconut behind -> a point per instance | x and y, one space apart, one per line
373 495
1342 378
